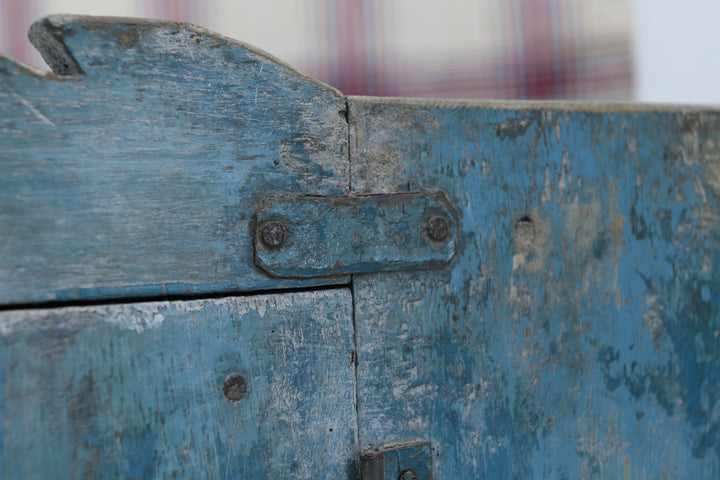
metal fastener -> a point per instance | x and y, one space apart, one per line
438 229
273 234
407 474
235 388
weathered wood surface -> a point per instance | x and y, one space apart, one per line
136 390
136 174
577 333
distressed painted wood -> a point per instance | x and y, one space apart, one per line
136 390
577 332
326 236
136 172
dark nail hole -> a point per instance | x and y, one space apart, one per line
235 388
524 233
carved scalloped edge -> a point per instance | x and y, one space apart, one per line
48 37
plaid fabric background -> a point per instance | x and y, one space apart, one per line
513 49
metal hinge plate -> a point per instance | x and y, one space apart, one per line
409 461
301 237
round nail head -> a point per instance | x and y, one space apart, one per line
438 229
408 474
235 388
273 234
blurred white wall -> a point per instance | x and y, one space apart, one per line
676 56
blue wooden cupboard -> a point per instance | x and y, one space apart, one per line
214 266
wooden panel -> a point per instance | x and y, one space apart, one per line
138 172
576 333
136 391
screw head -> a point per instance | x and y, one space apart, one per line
235 388
438 229
407 474
273 234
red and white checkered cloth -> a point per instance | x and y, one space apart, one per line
512 49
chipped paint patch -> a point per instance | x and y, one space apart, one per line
617 228
512 128
126 38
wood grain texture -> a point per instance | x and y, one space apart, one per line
137 173
576 334
136 390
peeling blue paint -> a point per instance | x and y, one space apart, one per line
573 337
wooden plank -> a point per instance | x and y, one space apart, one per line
576 333
137 390
137 173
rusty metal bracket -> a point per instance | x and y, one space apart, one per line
409 461
301 237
